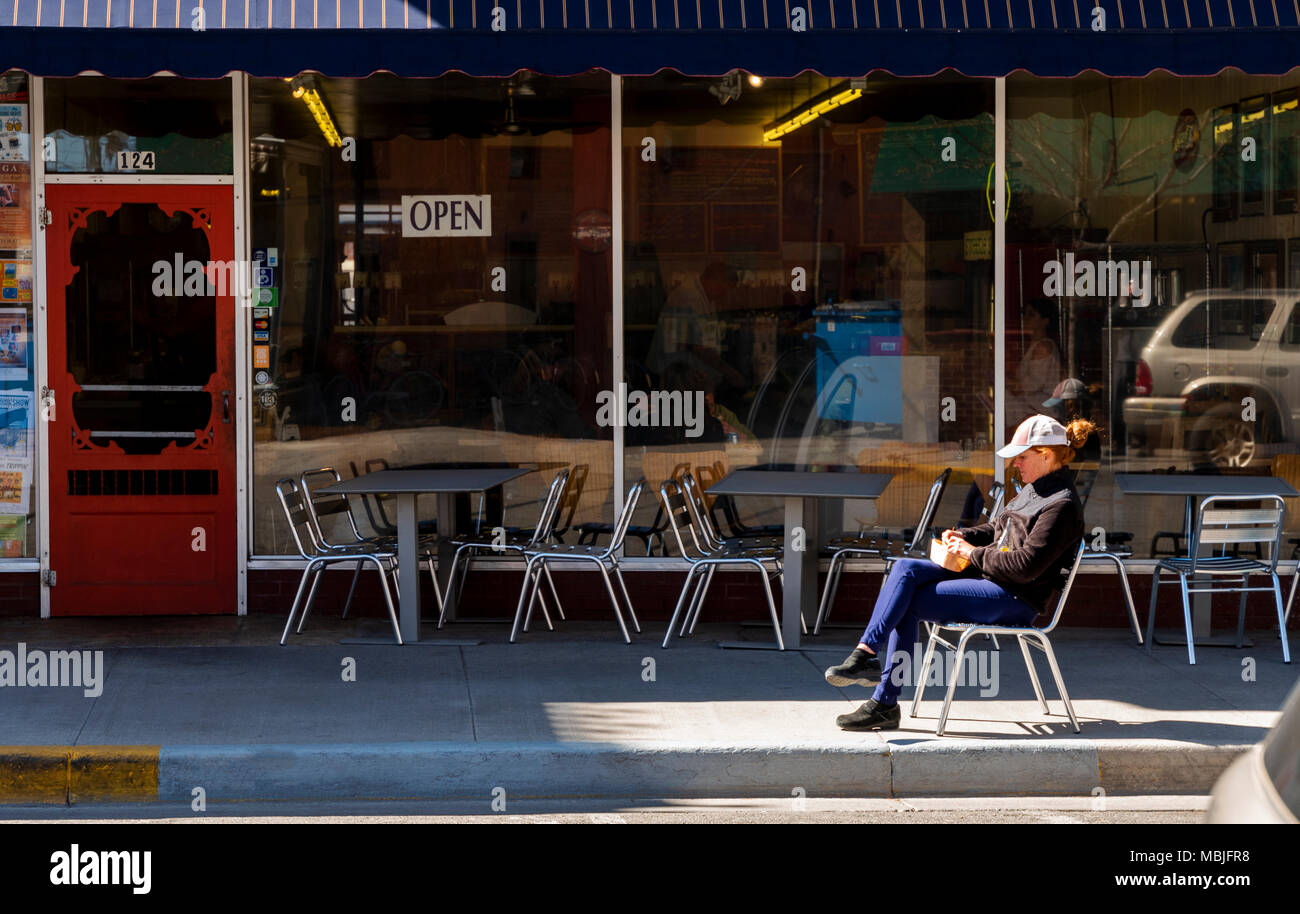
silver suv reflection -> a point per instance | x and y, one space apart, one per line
1220 377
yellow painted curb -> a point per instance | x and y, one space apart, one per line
70 774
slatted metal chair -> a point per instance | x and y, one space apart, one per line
590 531
374 505
705 558
865 549
1118 547
470 547
1228 521
1027 635
319 555
541 553
328 505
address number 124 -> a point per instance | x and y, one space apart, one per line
135 160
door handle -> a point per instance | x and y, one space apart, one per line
225 407
1276 371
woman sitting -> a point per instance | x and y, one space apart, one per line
1014 573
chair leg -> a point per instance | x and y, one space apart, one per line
1060 680
311 598
523 594
353 589
627 598
925 670
952 683
701 594
1295 579
1151 613
1281 619
828 593
681 599
388 599
771 606
437 589
554 593
1128 599
1187 620
1241 613
297 598
613 601
1033 673
538 598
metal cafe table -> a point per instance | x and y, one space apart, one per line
800 489
1192 486
405 485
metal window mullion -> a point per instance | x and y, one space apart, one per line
999 271
243 317
616 271
40 292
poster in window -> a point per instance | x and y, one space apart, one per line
15 353
14 486
13 133
15 206
13 536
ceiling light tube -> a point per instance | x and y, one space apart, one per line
793 120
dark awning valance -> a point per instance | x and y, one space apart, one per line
207 38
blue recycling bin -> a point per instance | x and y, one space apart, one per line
869 333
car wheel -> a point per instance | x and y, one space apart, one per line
1227 439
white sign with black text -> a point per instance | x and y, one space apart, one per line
447 216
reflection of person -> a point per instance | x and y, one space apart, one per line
1040 362
1070 400
689 331
1015 569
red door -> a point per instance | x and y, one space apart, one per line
141 369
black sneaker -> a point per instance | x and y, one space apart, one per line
871 716
860 669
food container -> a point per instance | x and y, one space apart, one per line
940 555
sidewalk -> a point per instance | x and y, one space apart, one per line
216 703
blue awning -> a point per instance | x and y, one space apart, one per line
209 38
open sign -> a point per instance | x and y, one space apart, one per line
443 216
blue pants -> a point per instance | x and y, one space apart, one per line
918 590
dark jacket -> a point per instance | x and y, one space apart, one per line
1043 527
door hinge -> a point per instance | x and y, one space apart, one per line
44 217
49 577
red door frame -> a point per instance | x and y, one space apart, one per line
139 554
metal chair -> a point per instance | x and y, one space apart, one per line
1121 550
1256 519
319 506
377 516
868 549
318 556
470 547
1027 635
539 554
590 531
706 559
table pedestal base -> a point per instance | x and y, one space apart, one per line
1175 637
423 642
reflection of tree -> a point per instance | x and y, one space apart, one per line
1069 161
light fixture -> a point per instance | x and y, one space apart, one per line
755 80
305 88
806 114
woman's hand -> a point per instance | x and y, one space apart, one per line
954 542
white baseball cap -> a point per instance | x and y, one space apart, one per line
1035 431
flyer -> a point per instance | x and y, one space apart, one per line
14 486
15 206
13 536
13 133
15 353
15 281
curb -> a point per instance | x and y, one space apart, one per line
430 770
65 775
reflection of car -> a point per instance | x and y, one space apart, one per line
1263 786
1212 352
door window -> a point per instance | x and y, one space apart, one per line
1225 323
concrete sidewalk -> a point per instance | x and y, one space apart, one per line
217 704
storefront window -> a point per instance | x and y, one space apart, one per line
163 125
17 406
1152 257
436 285
809 265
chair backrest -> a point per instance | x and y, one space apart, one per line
299 517
319 506
927 513
700 513
1230 520
1065 591
375 516
624 519
677 512
550 509
998 496
569 498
